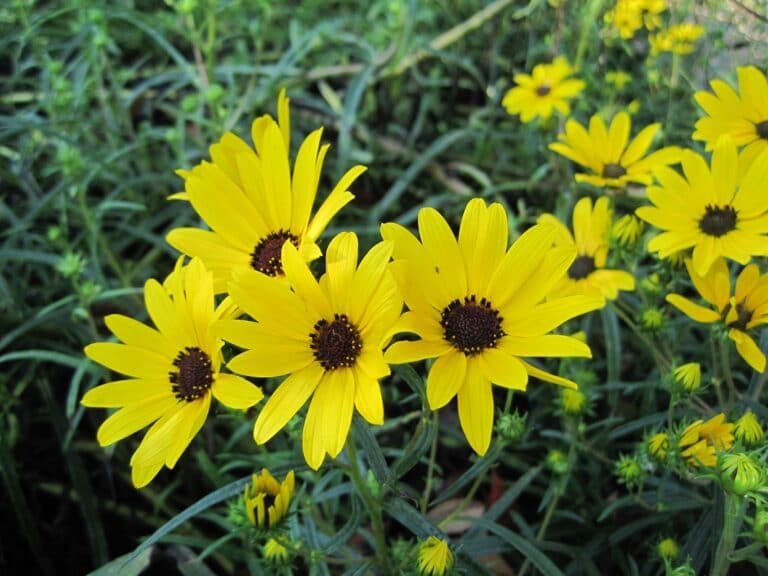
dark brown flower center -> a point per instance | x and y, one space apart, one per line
613 171
718 221
266 257
194 375
762 129
582 267
336 344
744 315
543 90
471 326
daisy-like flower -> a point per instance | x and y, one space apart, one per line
746 309
172 371
703 440
327 336
267 500
712 209
481 309
748 429
253 204
591 238
546 89
678 39
688 376
658 444
628 229
613 160
742 116
435 557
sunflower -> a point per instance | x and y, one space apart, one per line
607 152
328 336
254 205
548 88
712 209
173 371
702 440
743 116
587 274
745 310
480 309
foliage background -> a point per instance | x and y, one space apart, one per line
101 101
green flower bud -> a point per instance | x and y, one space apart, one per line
741 474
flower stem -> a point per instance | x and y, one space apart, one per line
731 524
372 503
430 466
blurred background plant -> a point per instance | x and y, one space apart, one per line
102 101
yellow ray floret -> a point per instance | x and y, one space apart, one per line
173 371
481 309
702 441
327 336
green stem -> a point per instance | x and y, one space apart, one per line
430 466
726 362
664 363
373 504
731 523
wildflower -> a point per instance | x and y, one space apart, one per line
573 401
741 474
618 78
678 39
688 376
702 440
274 551
557 461
658 445
745 310
511 427
267 500
173 371
435 557
327 335
480 309
548 88
629 471
628 229
668 549
629 16
742 116
652 319
711 210
591 233
748 429
254 205
613 160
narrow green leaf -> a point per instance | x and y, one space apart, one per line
372 449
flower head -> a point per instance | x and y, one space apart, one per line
740 313
327 336
748 429
702 440
267 500
274 551
481 309
668 549
658 445
740 473
573 401
688 376
742 115
712 209
629 16
677 39
253 204
435 557
546 89
591 235
628 229
613 160
629 471
173 371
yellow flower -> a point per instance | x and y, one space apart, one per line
574 401
480 309
742 116
658 444
591 235
267 500
702 440
741 474
746 309
628 16
711 209
628 229
607 152
274 551
252 203
677 39
547 89
688 376
668 549
327 336
173 371
748 429
435 557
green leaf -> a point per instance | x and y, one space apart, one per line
465 479
372 450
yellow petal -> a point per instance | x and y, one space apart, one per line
304 182
304 283
235 392
270 358
140 335
133 418
337 199
502 369
748 349
443 250
405 352
129 360
368 398
543 318
340 264
162 311
549 345
476 409
547 377
446 376
124 392
694 311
